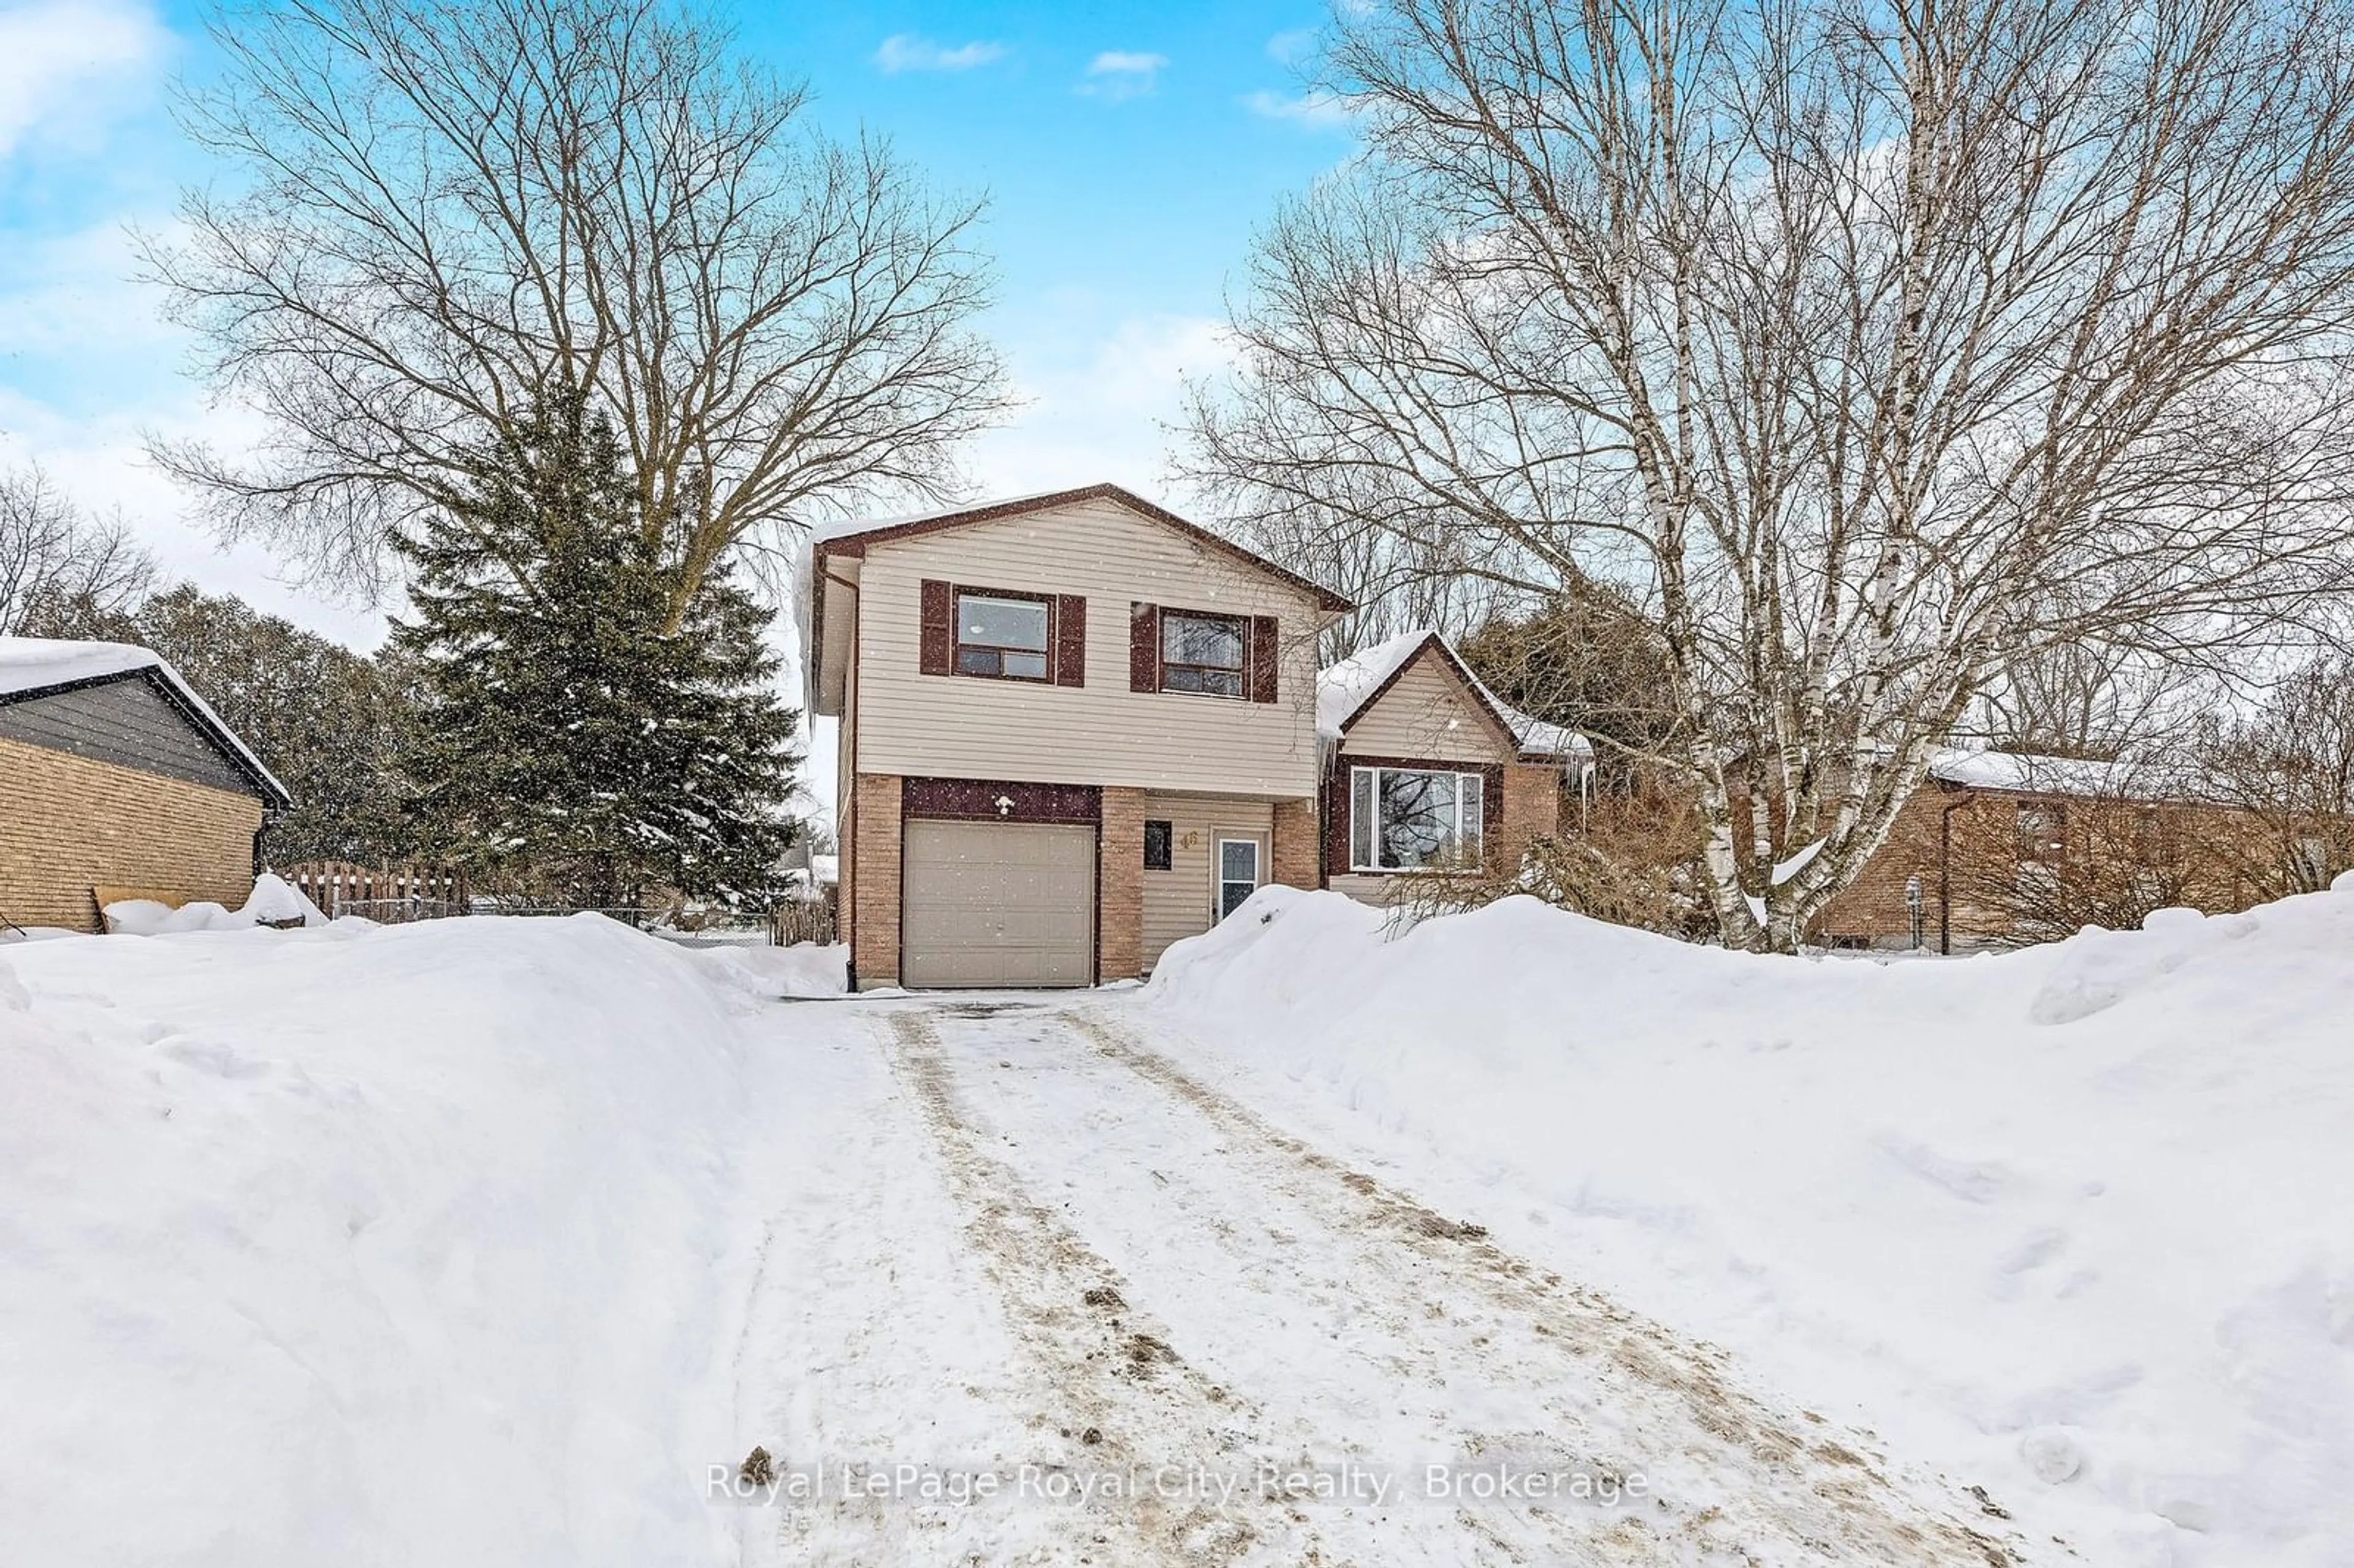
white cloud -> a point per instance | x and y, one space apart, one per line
1318 108
1291 44
101 462
1116 74
1095 403
905 51
67 65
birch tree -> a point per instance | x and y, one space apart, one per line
1877 346
440 211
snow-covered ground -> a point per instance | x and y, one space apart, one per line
505 1240
357 1246
2075 1225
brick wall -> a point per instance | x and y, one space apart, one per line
1292 859
1532 811
1119 887
874 880
1873 907
70 823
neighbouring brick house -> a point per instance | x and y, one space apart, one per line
114 774
1984 855
1075 728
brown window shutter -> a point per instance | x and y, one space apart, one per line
938 634
1264 659
1143 647
1070 640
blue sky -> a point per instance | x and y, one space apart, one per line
1127 153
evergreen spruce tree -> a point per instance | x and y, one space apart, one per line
573 744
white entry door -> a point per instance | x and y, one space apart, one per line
1238 874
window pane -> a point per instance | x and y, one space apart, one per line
1201 640
1360 817
1417 819
1473 788
1001 622
1032 666
1159 839
1238 861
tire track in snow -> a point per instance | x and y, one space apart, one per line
1121 1396
1810 1494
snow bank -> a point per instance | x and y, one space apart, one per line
804 970
274 901
2072 1224
366 1245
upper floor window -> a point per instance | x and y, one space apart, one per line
1002 635
1202 653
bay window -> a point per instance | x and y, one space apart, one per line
1415 818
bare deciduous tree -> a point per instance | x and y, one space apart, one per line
451 206
62 571
2289 768
1876 345
2093 700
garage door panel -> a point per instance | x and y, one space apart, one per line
997 903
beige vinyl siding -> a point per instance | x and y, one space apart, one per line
1179 902
1426 713
956 726
1380 891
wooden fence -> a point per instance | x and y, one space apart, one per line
803 920
386 893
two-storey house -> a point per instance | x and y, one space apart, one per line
1075 728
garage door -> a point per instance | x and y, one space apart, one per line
997 903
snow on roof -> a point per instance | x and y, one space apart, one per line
1542 738
843 527
2056 775
37 663
1343 688
29 664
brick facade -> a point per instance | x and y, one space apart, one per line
1959 841
1531 804
69 825
1119 885
1292 861
1873 908
871 880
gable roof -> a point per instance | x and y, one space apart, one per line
852 538
33 667
1345 690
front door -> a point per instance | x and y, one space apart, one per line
1238 872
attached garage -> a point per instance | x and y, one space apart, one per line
997 903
